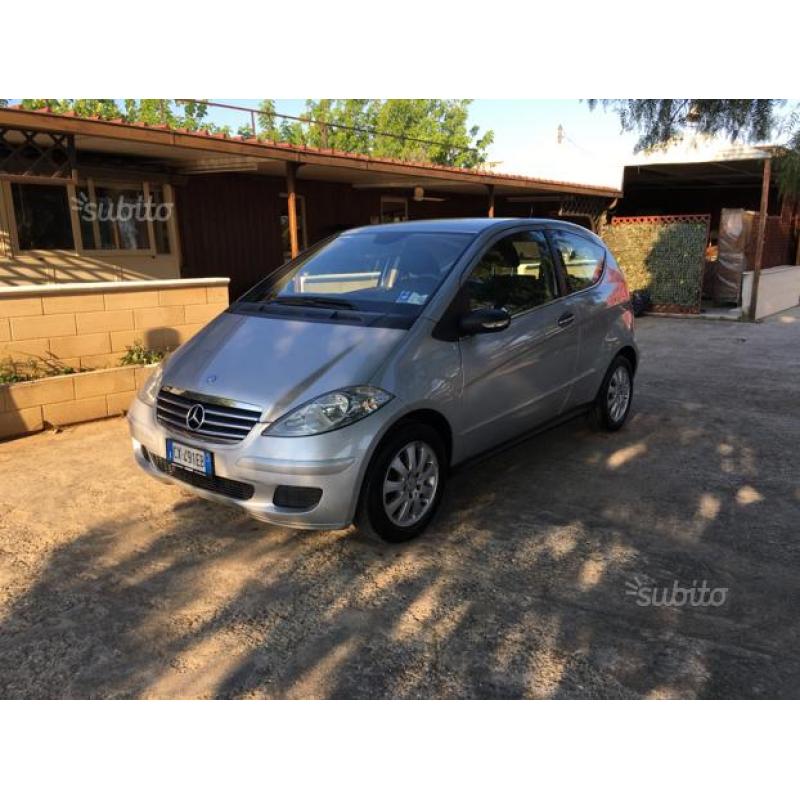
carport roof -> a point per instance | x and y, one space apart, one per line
739 170
188 149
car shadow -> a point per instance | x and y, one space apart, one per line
565 567
526 585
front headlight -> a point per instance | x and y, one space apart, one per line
330 411
149 392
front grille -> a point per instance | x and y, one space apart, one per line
225 486
222 420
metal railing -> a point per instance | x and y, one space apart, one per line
324 126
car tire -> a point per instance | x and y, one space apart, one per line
613 402
386 490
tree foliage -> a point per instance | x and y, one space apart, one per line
435 131
662 122
172 113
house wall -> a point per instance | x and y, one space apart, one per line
230 223
229 226
89 326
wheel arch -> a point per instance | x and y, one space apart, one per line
629 353
427 416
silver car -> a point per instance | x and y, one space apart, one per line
346 385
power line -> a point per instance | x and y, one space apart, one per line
254 113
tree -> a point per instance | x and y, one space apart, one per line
172 113
417 130
412 130
3 103
662 122
105 109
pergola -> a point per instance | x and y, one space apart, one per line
742 170
162 150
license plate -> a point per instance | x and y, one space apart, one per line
190 458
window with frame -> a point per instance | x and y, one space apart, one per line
302 233
516 273
123 217
42 216
161 234
583 259
394 209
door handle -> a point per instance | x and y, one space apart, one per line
565 319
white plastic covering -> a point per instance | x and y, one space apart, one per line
735 226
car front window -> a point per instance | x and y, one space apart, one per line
388 272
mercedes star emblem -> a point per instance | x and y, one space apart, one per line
195 417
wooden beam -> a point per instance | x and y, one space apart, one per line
490 210
762 232
12 178
291 199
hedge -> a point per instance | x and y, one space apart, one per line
665 255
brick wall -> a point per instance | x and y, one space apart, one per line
89 326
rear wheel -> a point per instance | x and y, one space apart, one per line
404 484
613 401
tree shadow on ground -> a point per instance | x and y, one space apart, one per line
520 589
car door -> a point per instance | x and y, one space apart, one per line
583 262
520 377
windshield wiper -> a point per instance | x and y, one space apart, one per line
318 302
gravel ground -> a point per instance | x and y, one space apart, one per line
112 585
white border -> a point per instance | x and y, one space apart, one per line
467 49
398 750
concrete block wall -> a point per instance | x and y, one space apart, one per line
778 290
31 406
89 326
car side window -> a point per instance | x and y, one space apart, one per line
516 273
583 259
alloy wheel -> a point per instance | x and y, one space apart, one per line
410 483
619 394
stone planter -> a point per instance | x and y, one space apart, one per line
66 399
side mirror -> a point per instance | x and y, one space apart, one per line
484 320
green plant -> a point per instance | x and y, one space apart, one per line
11 372
32 369
663 256
140 355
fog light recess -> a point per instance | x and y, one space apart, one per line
297 498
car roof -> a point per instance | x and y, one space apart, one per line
470 225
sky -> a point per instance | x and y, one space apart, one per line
525 137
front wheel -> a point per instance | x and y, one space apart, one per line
404 484
613 401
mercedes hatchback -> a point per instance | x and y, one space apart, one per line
346 385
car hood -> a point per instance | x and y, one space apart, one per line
277 364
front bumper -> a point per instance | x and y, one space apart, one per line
333 462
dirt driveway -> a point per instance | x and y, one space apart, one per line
112 585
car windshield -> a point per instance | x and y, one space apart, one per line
386 272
